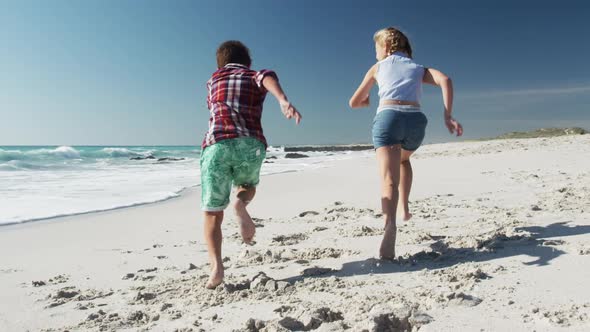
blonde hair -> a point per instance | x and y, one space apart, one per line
393 40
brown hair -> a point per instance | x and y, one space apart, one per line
393 40
233 51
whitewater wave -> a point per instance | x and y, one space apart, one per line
18 165
122 152
9 155
69 153
64 152
275 149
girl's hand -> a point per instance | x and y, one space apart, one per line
290 111
453 126
365 103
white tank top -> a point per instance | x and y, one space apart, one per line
399 78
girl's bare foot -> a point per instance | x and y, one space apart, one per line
403 213
387 250
247 227
215 278
405 216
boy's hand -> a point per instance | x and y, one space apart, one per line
453 126
290 111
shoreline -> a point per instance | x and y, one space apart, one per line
303 148
134 205
179 193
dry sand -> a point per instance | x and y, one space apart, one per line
500 240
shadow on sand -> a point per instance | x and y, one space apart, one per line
530 241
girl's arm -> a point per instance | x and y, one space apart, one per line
273 86
361 96
435 77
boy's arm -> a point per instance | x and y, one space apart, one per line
360 98
435 77
273 86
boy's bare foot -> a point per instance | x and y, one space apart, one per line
387 250
247 227
215 278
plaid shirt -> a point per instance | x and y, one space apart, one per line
235 97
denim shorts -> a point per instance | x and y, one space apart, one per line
392 127
234 161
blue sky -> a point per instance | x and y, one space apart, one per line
134 72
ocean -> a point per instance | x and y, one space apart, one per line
43 182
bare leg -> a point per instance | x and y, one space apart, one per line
247 227
388 158
213 237
405 185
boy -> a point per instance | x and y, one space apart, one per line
234 146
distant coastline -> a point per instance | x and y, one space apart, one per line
328 148
538 133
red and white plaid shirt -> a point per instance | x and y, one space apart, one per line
235 97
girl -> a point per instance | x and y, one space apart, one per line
399 126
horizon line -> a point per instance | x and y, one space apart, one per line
527 92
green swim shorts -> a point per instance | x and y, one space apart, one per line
236 161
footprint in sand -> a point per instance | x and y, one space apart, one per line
287 240
308 213
69 294
8 271
316 271
59 279
319 229
584 250
397 319
360 231
554 242
128 276
565 315
258 222
321 253
250 257
312 320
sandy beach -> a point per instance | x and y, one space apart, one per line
500 240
